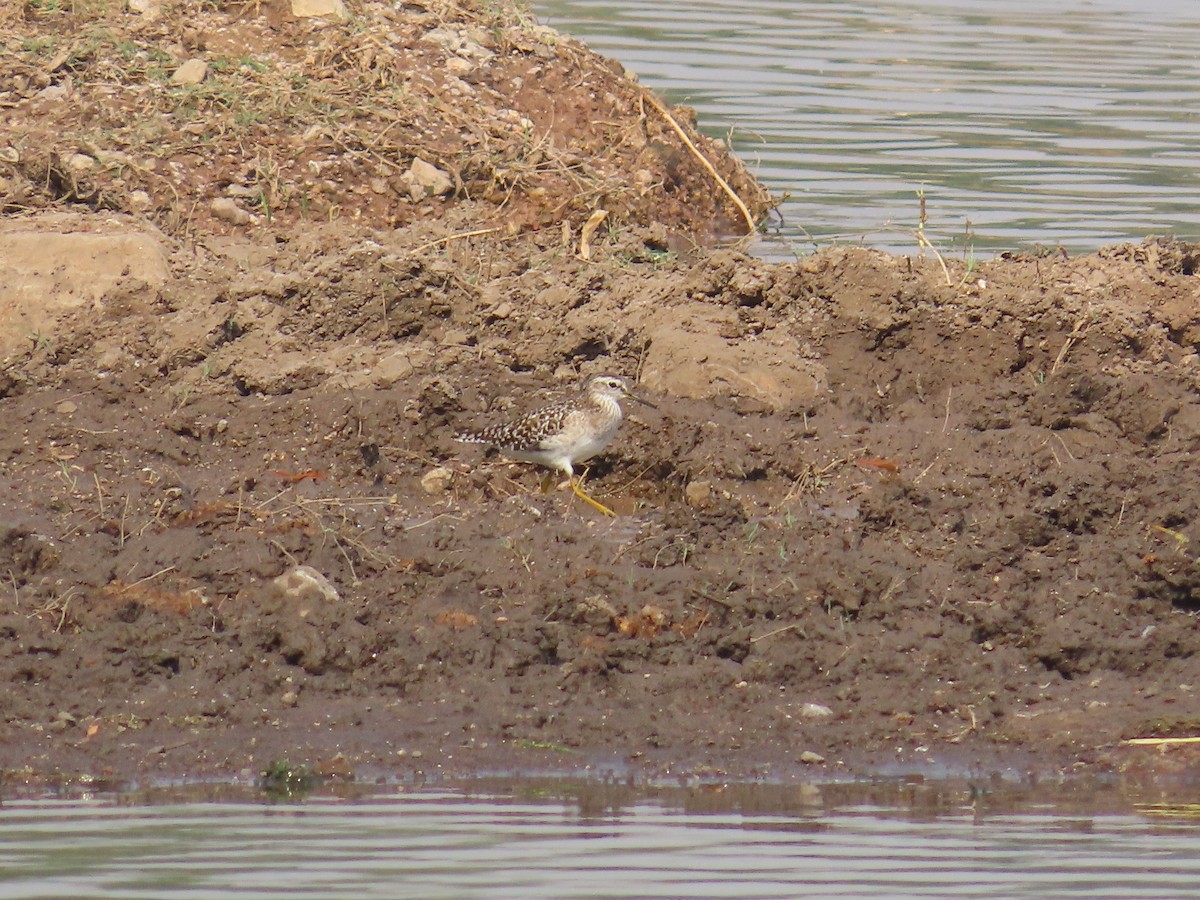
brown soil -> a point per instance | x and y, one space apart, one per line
885 511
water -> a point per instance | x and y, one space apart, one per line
537 839
1026 122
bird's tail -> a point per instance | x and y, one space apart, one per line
471 437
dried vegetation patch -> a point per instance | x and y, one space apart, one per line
206 116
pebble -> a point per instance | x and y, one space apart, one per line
436 481
228 211
811 758
193 71
306 584
311 9
815 711
426 180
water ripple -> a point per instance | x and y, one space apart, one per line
1024 123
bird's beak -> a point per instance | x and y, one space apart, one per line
641 400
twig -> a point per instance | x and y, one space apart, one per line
155 575
923 242
958 738
282 549
453 237
737 201
792 627
1159 742
124 518
1076 335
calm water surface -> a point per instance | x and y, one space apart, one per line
539 840
1056 121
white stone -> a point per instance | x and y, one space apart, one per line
427 180
151 9
193 71
227 210
310 9
815 711
307 587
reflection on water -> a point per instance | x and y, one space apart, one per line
541 838
1025 122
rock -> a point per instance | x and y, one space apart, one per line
311 9
698 494
306 588
55 92
810 758
460 43
193 71
436 481
48 274
227 210
150 9
289 699
426 180
81 163
695 355
815 711
139 201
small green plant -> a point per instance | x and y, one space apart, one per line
283 781
49 7
522 555
39 46
968 252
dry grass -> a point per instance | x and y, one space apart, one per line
318 121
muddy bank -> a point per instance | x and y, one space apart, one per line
889 509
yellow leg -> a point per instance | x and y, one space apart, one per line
595 504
